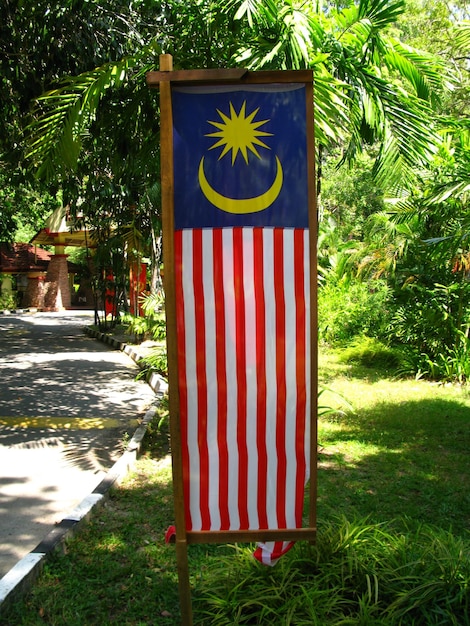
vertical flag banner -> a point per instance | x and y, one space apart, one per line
242 281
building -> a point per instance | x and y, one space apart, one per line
24 274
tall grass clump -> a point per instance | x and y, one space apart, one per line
370 352
357 573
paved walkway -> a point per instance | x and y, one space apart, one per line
67 404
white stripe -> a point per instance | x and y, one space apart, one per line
271 383
191 379
291 381
232 392
250 339
211 377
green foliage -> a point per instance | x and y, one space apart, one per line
323 409
357 573
432 325
7 301
349 195
351 308
420 246
156 442
41 43
449 364
23 206
370 352
152 324
156 362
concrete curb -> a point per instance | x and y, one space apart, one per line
156 382
21 576
17 311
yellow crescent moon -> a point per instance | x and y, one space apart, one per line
241 205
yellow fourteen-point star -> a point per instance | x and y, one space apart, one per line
239 133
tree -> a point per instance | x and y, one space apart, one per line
370 87
39 45
438 26
358 97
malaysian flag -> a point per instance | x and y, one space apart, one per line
242 297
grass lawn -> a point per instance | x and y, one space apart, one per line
402 448
393 543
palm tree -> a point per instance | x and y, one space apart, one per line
368 86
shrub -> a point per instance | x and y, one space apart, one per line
432 325
7 301
371 352
155 362
153 324
354 308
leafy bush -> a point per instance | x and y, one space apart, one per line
432 325
353 308
430 317
450 365
370 352
155 362
153 324
7 301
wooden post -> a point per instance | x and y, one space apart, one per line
313 236
167 183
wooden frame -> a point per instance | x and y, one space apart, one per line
163 80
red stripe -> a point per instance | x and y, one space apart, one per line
240 325
220 330
280 376
301 359
183 392
260 313
199 319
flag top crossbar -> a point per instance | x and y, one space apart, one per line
240 76
163 80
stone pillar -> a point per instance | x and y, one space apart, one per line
57 297
35 291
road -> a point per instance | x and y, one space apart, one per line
67 405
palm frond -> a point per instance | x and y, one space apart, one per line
381 13
253 10
364 20
408 139
462 35
61 115
425 72
331 106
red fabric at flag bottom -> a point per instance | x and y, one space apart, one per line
170 535
243 359
270 552
267 553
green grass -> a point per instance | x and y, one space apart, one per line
402 450
393 546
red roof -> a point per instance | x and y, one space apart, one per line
22 257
